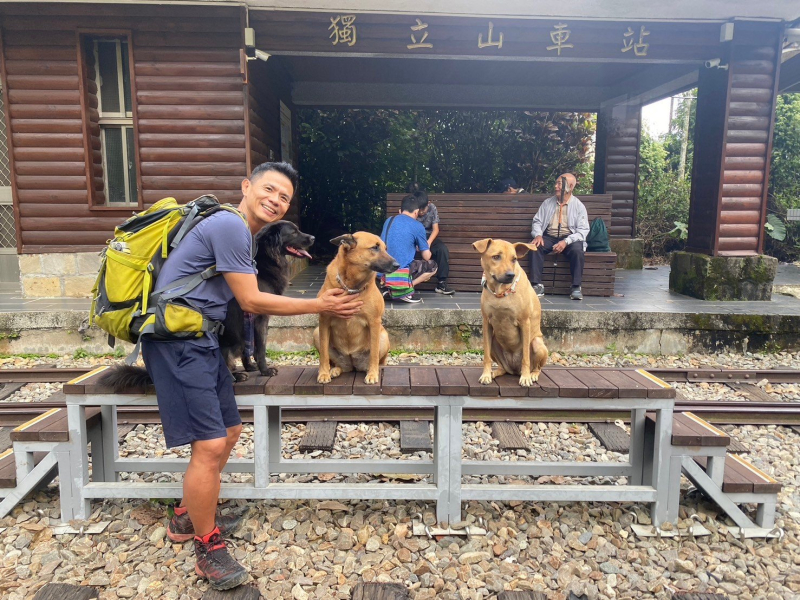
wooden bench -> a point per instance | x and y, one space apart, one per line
466 218
445 390
700 450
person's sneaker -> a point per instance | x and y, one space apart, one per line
538 289
180 528
441 288
411 299
576 293
386 295
215 563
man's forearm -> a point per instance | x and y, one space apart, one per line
433 237
272 304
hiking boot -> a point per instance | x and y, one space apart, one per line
442 288
576 293
411 299
538 289
180 528
215 563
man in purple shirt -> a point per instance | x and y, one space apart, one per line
193 384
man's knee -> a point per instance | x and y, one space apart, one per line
209 451
233 434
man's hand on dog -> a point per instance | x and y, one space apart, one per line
538 241
340 304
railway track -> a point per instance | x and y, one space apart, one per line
758 411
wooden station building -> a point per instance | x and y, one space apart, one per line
111 106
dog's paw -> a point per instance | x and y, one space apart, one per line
269 372
324 377
335 372
535 376
526 380
251 367
239 376
486 378
372 378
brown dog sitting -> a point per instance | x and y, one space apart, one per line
360 343
512 332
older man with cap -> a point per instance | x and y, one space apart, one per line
560 226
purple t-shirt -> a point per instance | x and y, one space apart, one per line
223 239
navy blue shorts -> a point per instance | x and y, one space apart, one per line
194 389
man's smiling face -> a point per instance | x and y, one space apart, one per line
267 198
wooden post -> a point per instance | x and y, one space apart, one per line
733 143
616 167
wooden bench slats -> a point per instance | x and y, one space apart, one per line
452 382
476 388
8 469
283 383
627 387
544 387
341 385
693 431
424 381
307 384
364 389
655 387
741 477
52 426
396 381
598 386
255 383
78 385
569 386
509 386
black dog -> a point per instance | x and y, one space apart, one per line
273 244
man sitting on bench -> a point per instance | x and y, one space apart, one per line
429 217
560 226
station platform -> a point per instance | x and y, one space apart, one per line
643 316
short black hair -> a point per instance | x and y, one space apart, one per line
409 203
281 167
505 184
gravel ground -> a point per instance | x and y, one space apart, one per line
306 550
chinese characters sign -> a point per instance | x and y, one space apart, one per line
561 39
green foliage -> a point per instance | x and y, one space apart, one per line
776 228
80 353
663 209
784 190
350 159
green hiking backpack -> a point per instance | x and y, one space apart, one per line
124 304
597 240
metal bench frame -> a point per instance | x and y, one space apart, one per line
446 468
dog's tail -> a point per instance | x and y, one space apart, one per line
122 378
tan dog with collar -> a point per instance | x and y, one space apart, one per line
360 343
512 331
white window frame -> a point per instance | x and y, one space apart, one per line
117 120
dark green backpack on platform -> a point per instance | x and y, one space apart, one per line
597 240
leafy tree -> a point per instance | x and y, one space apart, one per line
350 159
784 192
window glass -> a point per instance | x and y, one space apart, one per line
109 76
131 166
115 166
126 76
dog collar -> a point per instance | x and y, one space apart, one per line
350 291
511 290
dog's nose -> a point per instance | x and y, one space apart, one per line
508 277
395 265
312 238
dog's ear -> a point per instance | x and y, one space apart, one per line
522 248
481 245
347 240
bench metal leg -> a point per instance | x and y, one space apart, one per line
701 479
636 452
674 501
94 436
662 450
441 461
715 467
108 420
274 436
454 474
79 460
24 463
765 514
262 439
66 492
